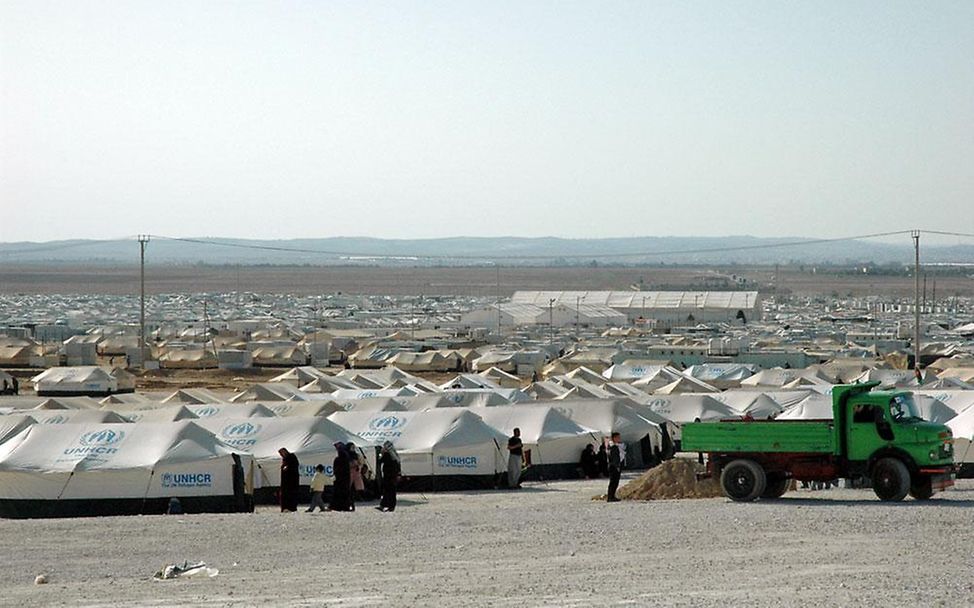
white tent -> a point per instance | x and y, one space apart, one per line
13 424
372 404
231 410
298 376
166 413
687 407
114 469
812 407
958 401
606 416
303 409
311 439
271 391
82 380
933 409
758 405
125 398
345 394
962 426
68 403
686 384
472 381
77 417
552 443
193 396
450 442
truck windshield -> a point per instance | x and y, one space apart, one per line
902 407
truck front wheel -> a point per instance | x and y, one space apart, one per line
743 480
891 479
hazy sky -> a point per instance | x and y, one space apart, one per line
303 119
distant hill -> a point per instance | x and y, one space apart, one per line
483 250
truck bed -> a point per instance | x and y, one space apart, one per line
785 436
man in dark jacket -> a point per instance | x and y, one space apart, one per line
290 480
341 491
617 457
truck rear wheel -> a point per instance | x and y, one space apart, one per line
743 480
922 488
891 479
776 486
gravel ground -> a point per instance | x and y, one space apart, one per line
546 545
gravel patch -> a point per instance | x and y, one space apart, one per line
545 545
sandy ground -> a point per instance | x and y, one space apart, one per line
547 545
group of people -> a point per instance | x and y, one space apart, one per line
351 474
607 462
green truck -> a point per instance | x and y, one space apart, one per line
876 435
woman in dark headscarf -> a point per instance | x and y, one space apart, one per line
340 496
290 480
389 471
355 474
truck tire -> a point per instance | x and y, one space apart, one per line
743 480
891 479
775 486
922 488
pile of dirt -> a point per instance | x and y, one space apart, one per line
675 478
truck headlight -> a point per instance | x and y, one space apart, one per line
933 455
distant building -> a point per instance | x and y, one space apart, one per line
668 308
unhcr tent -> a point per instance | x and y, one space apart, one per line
191 396
645 438
77 417
553 444
689 407
68 403
303 409
13 424
166 413
119 469
445 448
959 401
310 439
813 407
271 391
231 410
758 405
372 404
85 380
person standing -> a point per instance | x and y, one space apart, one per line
389 471
318 489
356 483
589 463
617 457
343 480
290 480
515 449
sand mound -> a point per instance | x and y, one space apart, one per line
673 479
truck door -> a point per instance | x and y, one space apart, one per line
869 429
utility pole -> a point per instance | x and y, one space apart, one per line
578 303
497 269
143 241
551 321
915 234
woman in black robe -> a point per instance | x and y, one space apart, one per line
389 470
341 491
290 480
589 463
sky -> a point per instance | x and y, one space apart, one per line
428 119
